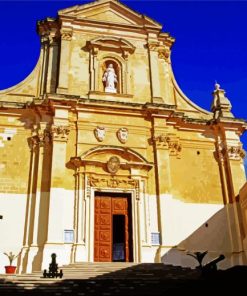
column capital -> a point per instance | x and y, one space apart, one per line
60 132
232 152
66 34
170 142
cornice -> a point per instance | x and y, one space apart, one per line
14 105
105 24
168 112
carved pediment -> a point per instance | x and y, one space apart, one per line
111 44
105 155
109 11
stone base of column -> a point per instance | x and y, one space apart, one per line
30 259
62 90
80 253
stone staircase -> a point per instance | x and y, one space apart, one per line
102 279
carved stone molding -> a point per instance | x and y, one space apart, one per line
233 152
163 51
164 54
170 142
153 46
39 138
76 161
60 132
110 44
113 183
66 35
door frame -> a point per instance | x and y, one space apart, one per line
134 216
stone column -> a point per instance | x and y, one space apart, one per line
63 81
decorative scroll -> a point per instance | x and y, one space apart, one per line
113 183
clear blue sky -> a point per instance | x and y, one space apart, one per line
211 44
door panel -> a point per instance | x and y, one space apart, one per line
102 230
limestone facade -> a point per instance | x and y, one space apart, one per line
63 140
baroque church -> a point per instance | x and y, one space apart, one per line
103 158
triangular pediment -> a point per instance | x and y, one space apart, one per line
110 11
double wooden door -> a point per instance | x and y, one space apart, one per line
106 208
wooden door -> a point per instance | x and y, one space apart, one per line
103 230
105 208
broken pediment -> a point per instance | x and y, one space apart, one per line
110 11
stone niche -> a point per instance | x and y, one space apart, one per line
105 51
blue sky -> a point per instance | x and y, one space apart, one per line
211 44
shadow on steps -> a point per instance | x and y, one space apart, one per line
142 279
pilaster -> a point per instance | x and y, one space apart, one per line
44 64
63 82
52 64
230 158
154 72
37 202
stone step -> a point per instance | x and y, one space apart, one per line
95 279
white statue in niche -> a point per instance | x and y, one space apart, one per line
110 78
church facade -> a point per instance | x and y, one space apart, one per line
102 156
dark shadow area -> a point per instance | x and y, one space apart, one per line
143 279
118 238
